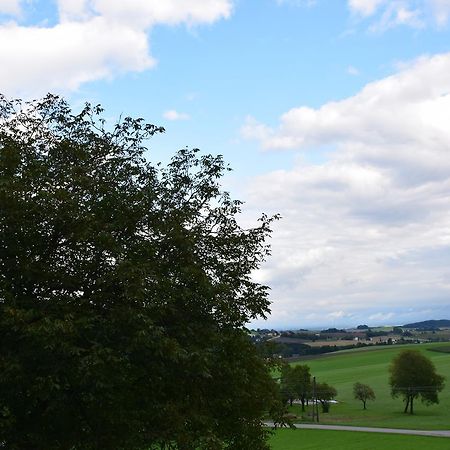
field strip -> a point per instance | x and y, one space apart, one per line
436 433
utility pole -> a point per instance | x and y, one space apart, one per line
315 404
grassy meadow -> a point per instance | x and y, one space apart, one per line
370 366
346 440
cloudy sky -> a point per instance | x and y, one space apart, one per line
333 113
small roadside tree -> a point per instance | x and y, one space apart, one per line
325 393
363 392
413 375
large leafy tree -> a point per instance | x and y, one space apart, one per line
124 291
413 375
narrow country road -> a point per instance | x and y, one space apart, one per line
438 433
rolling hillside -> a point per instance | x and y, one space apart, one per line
370 366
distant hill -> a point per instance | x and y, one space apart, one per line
443 323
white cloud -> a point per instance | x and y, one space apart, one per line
175 115
148 12
94 39
69 54
11 7
413 13
74 10
441 11
335 315
367 231
381 318
408 106
365 7
397 13
252 129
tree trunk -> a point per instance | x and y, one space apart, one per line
364 403
407 404
411 410
303 403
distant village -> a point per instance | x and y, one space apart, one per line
302 342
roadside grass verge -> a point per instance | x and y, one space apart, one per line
287 439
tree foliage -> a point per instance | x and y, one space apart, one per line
413 375
296 383
325 393
124 291
363 392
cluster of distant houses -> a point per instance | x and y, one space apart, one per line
297 343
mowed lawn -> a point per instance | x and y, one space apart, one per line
347 440
371 366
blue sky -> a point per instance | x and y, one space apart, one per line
334 114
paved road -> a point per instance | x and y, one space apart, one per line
439 433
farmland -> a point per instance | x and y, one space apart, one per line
370 366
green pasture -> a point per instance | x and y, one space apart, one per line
287 439
370 366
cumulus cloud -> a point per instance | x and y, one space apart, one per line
69 54
93 39
367 231
175 115
410 105
390 13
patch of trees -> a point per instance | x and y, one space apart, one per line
299 335
371 333
292 350
296 383
333 330
288 350
125 288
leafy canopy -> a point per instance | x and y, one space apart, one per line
363 392
413 375
296 383
125 287
325 393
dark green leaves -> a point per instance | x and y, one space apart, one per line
124 290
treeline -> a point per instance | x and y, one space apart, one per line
289 350
270 349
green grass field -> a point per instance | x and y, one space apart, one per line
370 366
347 440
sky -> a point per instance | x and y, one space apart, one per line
333 113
